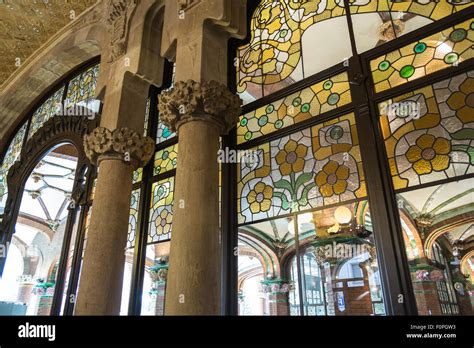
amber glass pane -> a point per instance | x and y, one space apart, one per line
166 159
321 97
161 212
133 218
283 36
429 133
378 22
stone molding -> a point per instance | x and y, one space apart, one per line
120 144
186 5
207 101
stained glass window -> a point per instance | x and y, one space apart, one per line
166 159
81 89
434 53
12 154
377 22
47 110
137 175
161 212
321 97
163 133
429 133
434 10
315 167
133 218
281 49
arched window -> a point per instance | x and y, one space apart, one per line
44 175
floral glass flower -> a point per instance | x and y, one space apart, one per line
163 222
429 153
462 101
332 179
291 157
260 198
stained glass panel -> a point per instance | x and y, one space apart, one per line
47 110
429 133
11 155
133 219
161 212
434 10
281 49
81 88
137 175
434 53
163 133
321 97
377 22
315 167
166 159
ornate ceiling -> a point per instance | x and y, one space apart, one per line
27 24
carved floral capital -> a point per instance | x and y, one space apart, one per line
276 286
208 101
123 144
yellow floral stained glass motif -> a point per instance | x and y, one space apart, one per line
11 155
133 219
321 97
166 159
161 212
315 167
433 53
429 133
273 55
47 110
82 87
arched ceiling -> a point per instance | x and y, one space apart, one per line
25 25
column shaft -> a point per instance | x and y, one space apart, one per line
100 284
193 278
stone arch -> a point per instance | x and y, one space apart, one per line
443 227
267 256
56 131
408 221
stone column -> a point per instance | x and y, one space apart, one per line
118 153
200 113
